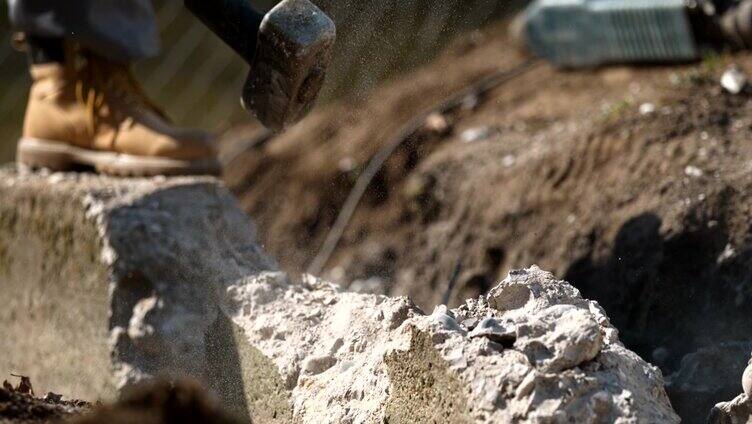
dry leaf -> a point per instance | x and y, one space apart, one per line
25 385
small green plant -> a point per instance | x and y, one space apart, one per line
618 109
711 62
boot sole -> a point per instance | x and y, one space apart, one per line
58 156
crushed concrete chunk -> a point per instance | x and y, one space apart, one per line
549 356
560 337
734 80
737 411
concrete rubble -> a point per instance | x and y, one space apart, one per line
738 410
695 387
108 281
176 283
747 379
531 351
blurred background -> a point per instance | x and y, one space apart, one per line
197 78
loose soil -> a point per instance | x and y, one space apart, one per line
159 402
19 408
633 183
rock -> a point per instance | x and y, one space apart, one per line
445 318
747 380
560 337
315 365
737 411
647 109
347 165
697 385
437 123
492 329
473 135
109 281
734 80
52 397
693 171
471 102
164 276
429 368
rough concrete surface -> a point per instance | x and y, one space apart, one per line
107 281
531 351
111 281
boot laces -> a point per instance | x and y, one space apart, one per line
99 80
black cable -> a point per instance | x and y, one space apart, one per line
379 159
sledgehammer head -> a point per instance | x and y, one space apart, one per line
294 49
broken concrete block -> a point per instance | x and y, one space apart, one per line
347 357
109 281
116 280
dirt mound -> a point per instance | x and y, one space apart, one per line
632 183
317 163
19 408
161 402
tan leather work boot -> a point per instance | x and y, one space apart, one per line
90 111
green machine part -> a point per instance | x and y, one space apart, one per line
586 33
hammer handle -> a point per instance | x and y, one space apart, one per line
234 21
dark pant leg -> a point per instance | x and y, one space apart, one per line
121 30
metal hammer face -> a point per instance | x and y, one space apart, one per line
294 49
289 51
